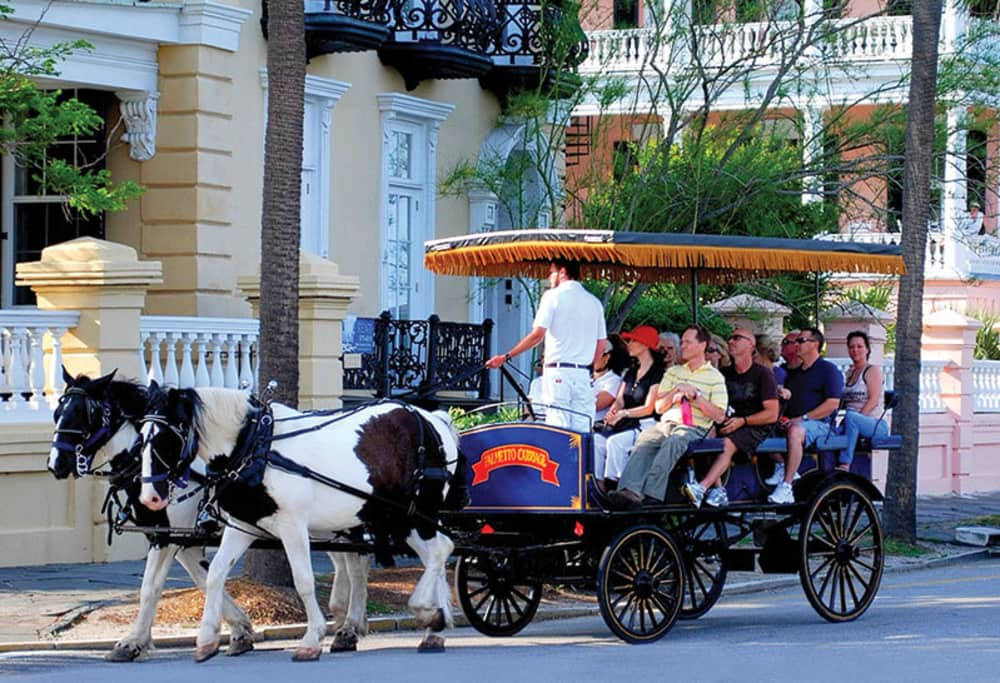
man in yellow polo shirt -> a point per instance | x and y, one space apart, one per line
692 397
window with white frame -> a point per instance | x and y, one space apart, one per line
409 140
321 96
30 218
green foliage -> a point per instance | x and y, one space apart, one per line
35 119
711 183
987 337
492 415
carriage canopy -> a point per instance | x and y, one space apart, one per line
651 257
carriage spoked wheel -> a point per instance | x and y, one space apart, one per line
640 584
496 600
702 545
841 552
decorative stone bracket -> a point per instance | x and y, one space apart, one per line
139 115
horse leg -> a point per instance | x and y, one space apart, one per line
431 599
340 594
355 622
234 543
295 540
138 642
240 628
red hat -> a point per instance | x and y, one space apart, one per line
645 335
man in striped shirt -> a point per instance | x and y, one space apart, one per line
692 396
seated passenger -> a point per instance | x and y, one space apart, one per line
717 354
816 387
605 382
767 354
668 347
863 397
691 397
632 409
753 402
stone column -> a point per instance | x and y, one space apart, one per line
838 322
187 210
324 297
951 336
760 315
107 284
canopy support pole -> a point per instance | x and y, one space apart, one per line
694 296
816 298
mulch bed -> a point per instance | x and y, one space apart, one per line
388 592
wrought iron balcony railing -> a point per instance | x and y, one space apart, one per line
440 39
539 46
406 355
342 25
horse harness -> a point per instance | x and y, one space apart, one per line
89 440
254 452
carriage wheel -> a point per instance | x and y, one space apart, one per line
841 552
640 584
702 547
495 600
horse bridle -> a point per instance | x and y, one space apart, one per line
82 455
178 474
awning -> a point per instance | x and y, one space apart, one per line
652 257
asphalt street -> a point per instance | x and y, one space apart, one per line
928 625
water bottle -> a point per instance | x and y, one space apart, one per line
686 417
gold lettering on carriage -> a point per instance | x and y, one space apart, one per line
515 455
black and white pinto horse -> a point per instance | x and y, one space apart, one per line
386 467
97 420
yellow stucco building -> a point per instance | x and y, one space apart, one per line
167 287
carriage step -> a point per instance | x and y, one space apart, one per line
978 535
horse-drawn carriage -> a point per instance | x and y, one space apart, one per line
536 517
394 470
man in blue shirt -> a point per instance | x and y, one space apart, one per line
816 387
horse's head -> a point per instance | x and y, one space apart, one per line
169 443
86 419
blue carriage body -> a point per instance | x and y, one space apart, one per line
527 466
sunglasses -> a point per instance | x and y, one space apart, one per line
737 337
803 340
787 342
711 349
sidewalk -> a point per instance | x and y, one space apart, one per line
36 601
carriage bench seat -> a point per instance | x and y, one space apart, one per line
778 444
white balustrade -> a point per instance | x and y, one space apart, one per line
187 352
31 359
728 44
986 386
619 51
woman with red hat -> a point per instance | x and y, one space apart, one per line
634 404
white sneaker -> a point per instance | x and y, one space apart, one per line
717 497
778 476
694 492
774 479
782 495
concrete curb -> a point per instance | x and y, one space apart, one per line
407 623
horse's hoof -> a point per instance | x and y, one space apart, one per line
438 622
344 641
123 653
203 653
306 654
431 644
238 646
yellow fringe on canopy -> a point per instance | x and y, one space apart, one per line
651 262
